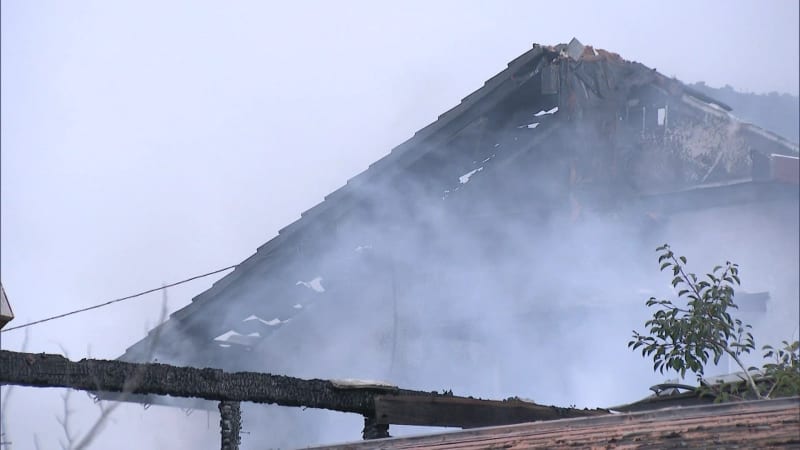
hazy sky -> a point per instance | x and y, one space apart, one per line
143 142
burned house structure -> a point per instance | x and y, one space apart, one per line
512 229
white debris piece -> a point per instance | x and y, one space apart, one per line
543 112
226 335
352 383
297 306
225 345
315 284
464 179
497 145
271 323
255 334
533 125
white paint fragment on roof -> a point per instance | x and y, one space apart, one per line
533 125
315 284
255 334
361 248
226 335
464 179
487 159
225 345
271 323
543 112
297 306
497 145
352 383
240 339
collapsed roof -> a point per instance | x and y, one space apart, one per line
633 134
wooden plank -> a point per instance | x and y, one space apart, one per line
451 411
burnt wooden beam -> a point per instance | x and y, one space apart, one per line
461 412
47 370
381 405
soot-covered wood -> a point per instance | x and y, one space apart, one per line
451 411
47 370
230 424
398 406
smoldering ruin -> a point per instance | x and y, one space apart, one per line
506 249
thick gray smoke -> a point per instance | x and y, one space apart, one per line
142 143
492 297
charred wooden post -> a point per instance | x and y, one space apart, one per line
374 430
230 424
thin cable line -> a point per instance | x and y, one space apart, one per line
117 300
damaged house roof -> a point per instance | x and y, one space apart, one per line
647 139
753 424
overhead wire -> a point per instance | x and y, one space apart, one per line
117 300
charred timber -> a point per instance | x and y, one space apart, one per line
94 375
380 404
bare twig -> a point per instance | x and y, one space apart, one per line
69 439
130 385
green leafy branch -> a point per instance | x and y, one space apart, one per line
784 369
686 338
